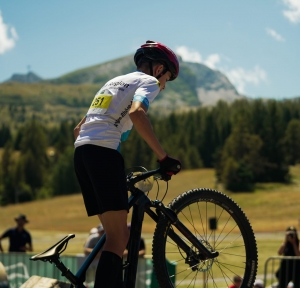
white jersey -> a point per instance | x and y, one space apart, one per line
107 120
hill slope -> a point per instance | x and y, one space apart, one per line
30 77
196 85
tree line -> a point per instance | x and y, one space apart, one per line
246 142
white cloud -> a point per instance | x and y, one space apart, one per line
189 55
8 36
275 35
241 77
293 12
212 60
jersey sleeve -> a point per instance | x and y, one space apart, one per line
147 92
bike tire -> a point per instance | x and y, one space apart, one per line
233 238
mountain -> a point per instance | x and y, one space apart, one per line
30 77
212 85
196 85
69 96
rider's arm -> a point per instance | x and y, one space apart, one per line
143 126
77 128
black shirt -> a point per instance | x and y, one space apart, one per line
17 239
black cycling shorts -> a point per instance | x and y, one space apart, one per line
101 176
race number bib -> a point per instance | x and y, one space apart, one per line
100 104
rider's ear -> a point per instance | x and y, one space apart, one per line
158 68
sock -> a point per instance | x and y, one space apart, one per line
108 270
120 282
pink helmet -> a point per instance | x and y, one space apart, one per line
159 52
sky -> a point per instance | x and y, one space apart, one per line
255 43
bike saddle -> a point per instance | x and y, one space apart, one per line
54 251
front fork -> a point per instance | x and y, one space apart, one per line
172 217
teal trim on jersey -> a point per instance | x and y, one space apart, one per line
125 135
143 99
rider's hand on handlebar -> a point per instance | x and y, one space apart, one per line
169 166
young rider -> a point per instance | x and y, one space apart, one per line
119 104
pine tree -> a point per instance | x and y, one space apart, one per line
291 142
7 195
63 178
65 137
33 156
276 167
5 135
241 162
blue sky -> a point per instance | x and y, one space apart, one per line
255 43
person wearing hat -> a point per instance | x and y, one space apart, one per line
92 240
19 238
289 269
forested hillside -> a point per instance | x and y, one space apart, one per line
248 141
197 85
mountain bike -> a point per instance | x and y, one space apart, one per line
202 231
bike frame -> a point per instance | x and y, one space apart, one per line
140 204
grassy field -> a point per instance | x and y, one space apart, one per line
270 209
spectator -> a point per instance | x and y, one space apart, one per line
142 248
258 284
237 282
19 238
94 230
289 269
92 240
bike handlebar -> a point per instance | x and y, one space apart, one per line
132 179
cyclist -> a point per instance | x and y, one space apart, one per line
120 103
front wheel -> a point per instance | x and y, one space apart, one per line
220 224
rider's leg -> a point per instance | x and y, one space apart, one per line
117 233
109 270
100 172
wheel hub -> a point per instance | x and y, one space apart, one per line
198 262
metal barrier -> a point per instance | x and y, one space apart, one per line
19 268
281 270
